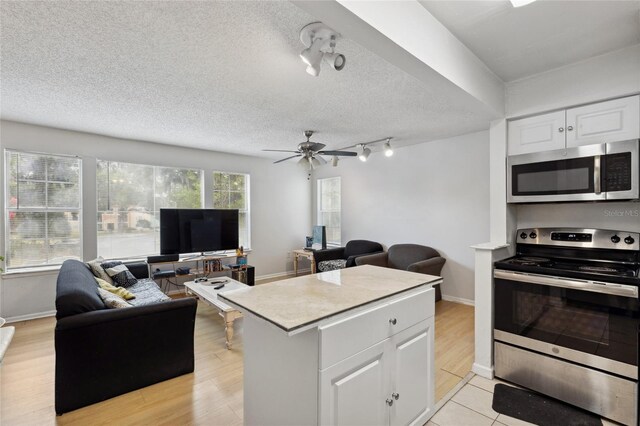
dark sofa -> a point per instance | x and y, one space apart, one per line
344 257
102 353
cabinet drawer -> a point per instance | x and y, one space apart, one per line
348 336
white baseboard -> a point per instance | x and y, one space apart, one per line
482 370
31 316
458 300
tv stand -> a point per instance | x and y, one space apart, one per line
203 267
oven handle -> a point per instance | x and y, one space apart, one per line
596 287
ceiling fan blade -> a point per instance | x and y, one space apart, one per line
288 158
316 146
279 150
339 153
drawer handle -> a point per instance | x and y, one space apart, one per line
389 402
395 396
393 321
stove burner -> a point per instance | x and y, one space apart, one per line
587 268
530 261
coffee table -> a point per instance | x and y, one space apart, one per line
206 292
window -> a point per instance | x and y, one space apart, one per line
231 191
329 208
43 209
130 197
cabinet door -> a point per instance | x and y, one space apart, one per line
412 377
534 134
354 391
604 122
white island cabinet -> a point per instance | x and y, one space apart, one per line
348 347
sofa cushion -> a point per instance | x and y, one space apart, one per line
119 273
147 292
118 291
331 265
76 290
112 300
97 270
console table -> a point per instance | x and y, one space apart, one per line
306 254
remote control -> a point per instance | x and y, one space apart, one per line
218 287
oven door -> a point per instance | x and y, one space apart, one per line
562 175
592 324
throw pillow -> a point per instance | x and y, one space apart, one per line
120 291
112 300
119 273
97 270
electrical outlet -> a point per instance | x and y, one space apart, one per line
288 255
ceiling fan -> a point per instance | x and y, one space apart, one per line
310 152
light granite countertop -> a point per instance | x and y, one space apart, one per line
298 302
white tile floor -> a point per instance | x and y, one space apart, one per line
471 406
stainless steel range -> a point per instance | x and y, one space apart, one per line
567 318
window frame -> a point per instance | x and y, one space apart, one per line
247 194
320 211
8 209
154 168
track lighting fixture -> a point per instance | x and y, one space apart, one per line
320 43
364 154
388 151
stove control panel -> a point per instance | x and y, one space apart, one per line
585 238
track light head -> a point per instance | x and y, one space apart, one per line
388 151
364 154
336 61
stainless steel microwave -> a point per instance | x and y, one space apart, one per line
592 172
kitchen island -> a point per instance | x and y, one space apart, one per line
346 347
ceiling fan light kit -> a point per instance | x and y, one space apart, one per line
320 43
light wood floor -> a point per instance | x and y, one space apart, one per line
212 395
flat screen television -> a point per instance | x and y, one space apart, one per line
198 230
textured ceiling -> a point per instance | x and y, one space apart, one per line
518 42
223 76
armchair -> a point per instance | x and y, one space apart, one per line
344 257
409 257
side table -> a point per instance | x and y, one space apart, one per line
298 253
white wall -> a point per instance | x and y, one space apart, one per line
611 75
280 207
617 216
435 194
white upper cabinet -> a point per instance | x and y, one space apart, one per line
604 122
534 134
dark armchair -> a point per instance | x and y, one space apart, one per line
409 257
344 257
